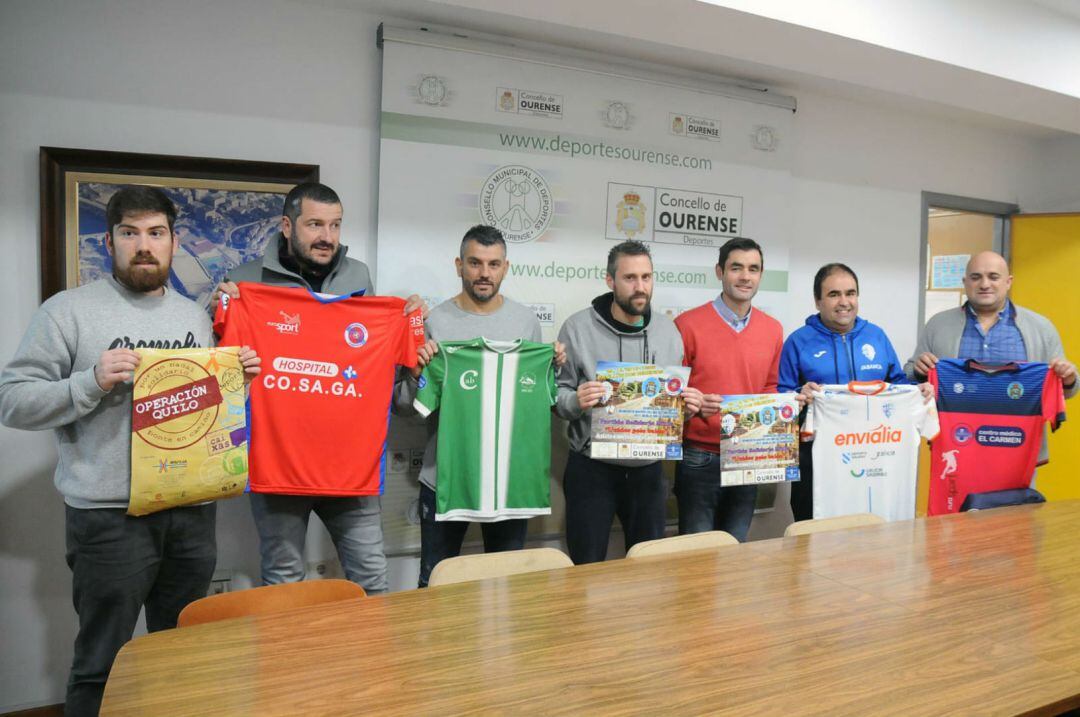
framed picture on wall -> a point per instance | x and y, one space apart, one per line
227 211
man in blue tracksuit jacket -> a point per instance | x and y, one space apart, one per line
834 347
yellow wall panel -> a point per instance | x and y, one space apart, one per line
1045 261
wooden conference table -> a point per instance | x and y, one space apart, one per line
976 613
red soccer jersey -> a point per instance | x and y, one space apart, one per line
320 408
991 421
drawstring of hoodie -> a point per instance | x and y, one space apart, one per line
645 347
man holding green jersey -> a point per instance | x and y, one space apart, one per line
486 330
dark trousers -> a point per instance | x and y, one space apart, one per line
442 539
802 490
596 492
704 504
119 564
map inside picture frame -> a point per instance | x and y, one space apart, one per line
220 224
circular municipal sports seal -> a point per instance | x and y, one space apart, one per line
727 424
517 200
432 90
177 403
673 387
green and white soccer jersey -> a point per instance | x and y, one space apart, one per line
494 447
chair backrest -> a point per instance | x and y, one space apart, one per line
821 525
267 599
463 568
680 543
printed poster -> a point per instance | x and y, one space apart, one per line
948 271
189 437
759 439
641 413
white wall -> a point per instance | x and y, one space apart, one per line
282 81
860 173
1058 167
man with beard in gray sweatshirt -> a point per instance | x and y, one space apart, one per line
72 373
619 326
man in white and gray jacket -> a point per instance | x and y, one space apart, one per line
991 329
619 326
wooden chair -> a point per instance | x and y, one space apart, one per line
464 568
681 543
821 525
267 599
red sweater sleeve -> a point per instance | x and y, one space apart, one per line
774 367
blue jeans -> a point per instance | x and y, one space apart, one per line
442 539
704 504
596 492
354 524
120 563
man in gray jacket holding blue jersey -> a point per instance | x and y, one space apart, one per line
619 326
72 373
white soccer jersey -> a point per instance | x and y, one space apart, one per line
866 448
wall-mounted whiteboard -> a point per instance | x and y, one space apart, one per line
568 160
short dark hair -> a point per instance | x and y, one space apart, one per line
484 235
828 270
630 247
308 190
739 244
138 199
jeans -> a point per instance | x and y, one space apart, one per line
704 504
442 539
354 524
596 492
802 490
121 563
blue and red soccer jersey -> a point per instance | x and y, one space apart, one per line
320 409
991 421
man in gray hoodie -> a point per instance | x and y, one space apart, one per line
619 326
308 253
72 373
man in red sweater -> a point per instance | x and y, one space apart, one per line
731 349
